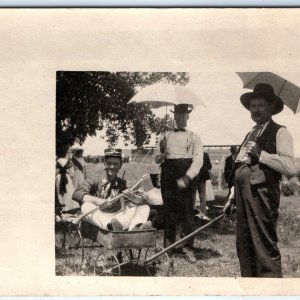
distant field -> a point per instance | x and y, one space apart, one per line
217 255
133 171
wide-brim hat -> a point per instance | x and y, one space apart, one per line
112 152
181 109
78 151
266 91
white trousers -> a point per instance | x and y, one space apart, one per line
129 218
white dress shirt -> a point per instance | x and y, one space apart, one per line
283 161
184 144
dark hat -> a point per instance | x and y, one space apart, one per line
78 151
182 109
110 152
266 91
233 149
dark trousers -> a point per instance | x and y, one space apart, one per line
178 204
257 213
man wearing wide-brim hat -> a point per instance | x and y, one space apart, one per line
180 153
265 154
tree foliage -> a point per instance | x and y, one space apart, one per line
92 101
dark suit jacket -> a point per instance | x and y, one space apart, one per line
206 167
229 171
96 186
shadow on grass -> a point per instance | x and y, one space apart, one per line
224 226
205 253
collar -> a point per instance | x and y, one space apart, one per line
179 129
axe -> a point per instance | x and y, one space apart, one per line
145 180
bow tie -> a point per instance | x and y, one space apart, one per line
177 130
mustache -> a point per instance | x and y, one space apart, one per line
255 115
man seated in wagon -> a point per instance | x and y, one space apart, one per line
97 192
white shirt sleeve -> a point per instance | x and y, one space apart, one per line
283 160
197 157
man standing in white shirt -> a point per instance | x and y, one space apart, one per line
266 154
180 153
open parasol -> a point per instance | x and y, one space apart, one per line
286 90
160 94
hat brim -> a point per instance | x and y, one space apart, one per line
113 155
185 112
278 103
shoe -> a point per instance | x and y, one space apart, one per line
116 225
189 256
178 251
147 225
203 217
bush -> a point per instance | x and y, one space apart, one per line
286 189
290 187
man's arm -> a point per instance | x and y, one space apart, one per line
209 165
86 188
283 160
197 158
227 169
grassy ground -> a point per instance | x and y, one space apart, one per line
216 255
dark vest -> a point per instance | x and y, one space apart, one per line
267 142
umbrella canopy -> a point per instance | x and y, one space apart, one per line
160 94
286 90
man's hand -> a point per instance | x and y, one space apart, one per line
229 207
253 150
103 204
183 182
128 194
230 204
163 146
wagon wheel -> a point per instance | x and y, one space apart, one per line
107 264
72 248
133 256
159 266
131 261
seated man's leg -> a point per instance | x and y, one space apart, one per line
125 216
98 217
140 215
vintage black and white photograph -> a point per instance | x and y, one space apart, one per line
177 174
150 152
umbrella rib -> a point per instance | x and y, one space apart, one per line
282 87
248 83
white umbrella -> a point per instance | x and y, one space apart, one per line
286 90
161 94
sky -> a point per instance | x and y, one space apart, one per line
224 121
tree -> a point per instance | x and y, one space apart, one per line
90 101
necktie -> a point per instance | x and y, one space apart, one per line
254 134
105 190
177 130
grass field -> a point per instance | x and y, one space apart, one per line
216 255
